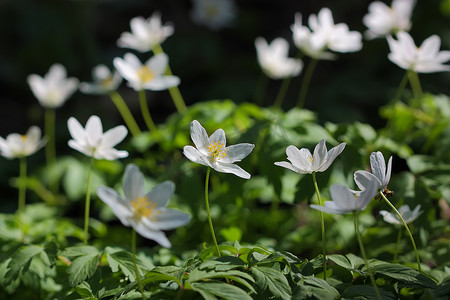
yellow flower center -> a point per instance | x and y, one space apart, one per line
311 159
216 150
142 207
106 82
24 138
145 74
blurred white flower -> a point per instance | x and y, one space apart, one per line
383 20
148 76
378 168
104 81
212 151
424 59
16 145
407 214
274 61
54 88
145 33
345 200
214 14
93 142
302 162
145 212
323 35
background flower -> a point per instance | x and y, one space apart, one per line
215 14
105 81
16 145
378 169
407 214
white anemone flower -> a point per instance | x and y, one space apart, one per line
273 58
148 76
145 212
407 214
378 168
382 20
16 145
54 88
105 81
212 151
145 33
324 34
424 59
303 162
92 142
214 14
345 200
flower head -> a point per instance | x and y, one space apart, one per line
145 33
54 88
407 214
91 140
303 162
148 76
212 151
273 59
383 20
345 200
323 34
16 145
378 168
424 59
104 81
145 212
215 14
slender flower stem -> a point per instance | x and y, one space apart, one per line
407 230
305 82
282 92
22 185
415 84
87 203
146 113
136 271
211 228
322 226
174 91
125 113
401 87
399 236
363 252
50 147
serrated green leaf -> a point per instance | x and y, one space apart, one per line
275 281
85 291
403 274
366 292
76 251
81 268
20 261
223 290
123 260
223 263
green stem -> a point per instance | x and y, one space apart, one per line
397 244
136 271
211 228
407 230
174 91
50 147
87 203
401 87
282 92
415 84
322 226
305 82
146 113
363 252
22 185
125 113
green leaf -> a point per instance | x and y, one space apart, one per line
314 287
273 280
123 260
76 251
20 261
85 291
223 290
366 292
81 268
403 274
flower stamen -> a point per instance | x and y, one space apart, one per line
143 208
145 74
216 150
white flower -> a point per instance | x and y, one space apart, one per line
145 33
274 59
424 59
148 76
378 168
346 200
383 20
93 142
302 162
104 81
54 88
323 34
145 212
212 151
407 214
215 14
16 145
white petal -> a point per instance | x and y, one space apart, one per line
161 83
320 155
118 205
378 166
300 159
195 156
94 131
289 166
218 137
168 219
237 152
231 168
85 149
199 136
76 130
328 209
133 183
157 236
161 193
109 153
158 63
114 136
331 156
364 179
125 70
